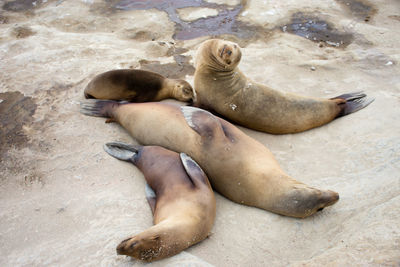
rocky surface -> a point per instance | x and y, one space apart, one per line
65 202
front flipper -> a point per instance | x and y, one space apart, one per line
193 170
127 152
122 151
151 197
203 122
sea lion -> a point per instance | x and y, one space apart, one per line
138 86
239 167
180 197
220 86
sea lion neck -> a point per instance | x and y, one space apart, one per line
212 63
169 89
233 80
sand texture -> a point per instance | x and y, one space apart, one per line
65 202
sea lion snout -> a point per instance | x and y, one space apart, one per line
329 198
305 201
321 200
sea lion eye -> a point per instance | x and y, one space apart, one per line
229 52
155 237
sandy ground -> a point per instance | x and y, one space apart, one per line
65 202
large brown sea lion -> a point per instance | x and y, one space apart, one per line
239 167
180 198
138 86
220 86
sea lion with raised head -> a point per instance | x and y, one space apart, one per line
180 197
138 86
238 167
220 86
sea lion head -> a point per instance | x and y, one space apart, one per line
221 54
183 91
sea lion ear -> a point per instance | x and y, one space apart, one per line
201 121
193 170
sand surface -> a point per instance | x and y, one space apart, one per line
65 202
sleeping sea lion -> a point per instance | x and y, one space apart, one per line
180 197
220 86
138 86
239 167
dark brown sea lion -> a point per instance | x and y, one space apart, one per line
220 86
180 198
239 167
138 86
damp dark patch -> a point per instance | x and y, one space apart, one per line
22 32
359 9
177 51
3 19
141 35
317 30
16 111
104 8
22 5
225 23
177 70
395 17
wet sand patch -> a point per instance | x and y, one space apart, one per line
177 70
317 30
23 5
359 9
16 111
224 23
22 32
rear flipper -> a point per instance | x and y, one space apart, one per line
98 108
352 102
122 151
